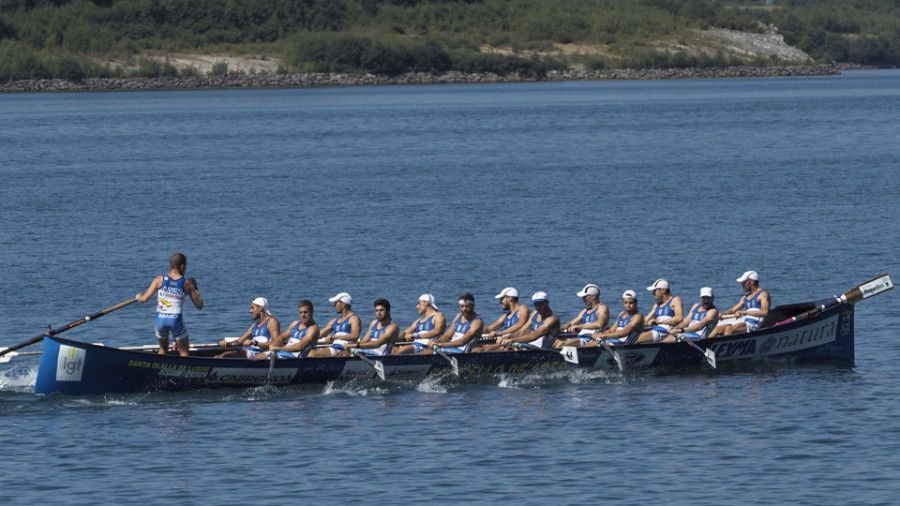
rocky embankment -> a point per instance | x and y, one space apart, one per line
301 80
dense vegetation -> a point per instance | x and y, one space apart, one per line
71 38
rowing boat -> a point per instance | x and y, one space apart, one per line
811 331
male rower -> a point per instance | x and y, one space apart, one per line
464 331
344 329
515 318
592 318
255 340
750 309
629 324
665 313
382 332
300 337
171 288
541 333
429 326
703 318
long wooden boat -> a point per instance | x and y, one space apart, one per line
811 331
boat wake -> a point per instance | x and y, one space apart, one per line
18 379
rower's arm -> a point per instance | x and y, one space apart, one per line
496 325
637 322
711 316
473 333
389 335
154 286
574 321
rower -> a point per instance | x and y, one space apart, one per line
429 326
749 310
171 289
665 313
383 331
344 329
301 335
542 332
592 318
256 338
510 322
629 324
703 318
463 332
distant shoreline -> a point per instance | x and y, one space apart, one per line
232 81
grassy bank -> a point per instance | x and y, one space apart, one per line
80 38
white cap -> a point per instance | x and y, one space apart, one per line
629 294
507 292
263 303
659 283
706 292
343 297
748 275
539 297
589 289
427 297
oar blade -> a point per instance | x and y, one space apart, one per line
8 356
379 369
455 365
710 357
570 354
870 288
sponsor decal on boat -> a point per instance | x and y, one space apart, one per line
238 375
776 344
69 363
516 368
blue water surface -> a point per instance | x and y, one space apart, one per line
396 191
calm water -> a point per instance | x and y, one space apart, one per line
395 191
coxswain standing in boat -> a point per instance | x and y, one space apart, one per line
750 310
382 332
464 331
667 312
171 289
629 324
592 318
344 329
703 318
256 339
540 334
301 335
515 318
429 326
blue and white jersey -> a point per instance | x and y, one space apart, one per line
297 334
753 304
460 328
509 320
375 335
170 298
622 321
545 340
664 311
260 332
425 325
341 328
698 313
589 316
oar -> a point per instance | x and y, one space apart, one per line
453 363
859 292
67 327
375 364
709 354
271 367
146 347
614 353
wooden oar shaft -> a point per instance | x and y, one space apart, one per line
67 327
